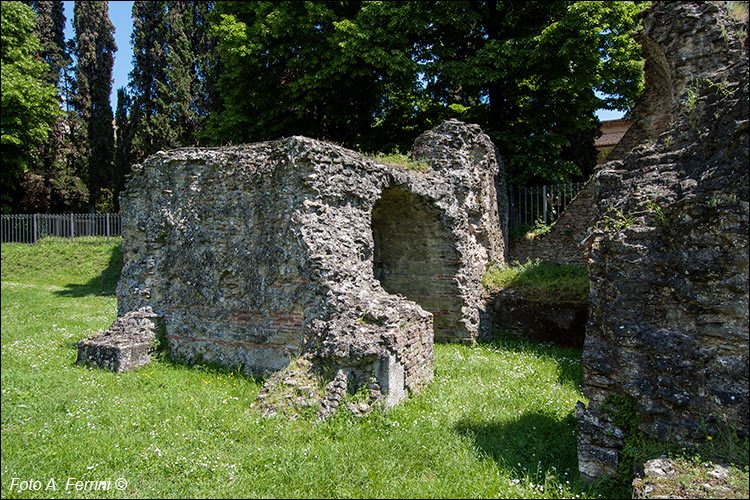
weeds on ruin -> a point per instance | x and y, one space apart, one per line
655 209
616 220
400 160
738 10
530 231
693 462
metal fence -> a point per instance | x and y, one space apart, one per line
30 228
539 203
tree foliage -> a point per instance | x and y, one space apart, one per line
172 82
372 74
322 69
532 72
123 143
49 185
29 103
368 75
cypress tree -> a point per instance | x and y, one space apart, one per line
206 98
123 143
95 49
62 191
50 23
148 78
175 69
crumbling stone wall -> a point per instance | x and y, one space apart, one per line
252 254
561 243
680 46
668 257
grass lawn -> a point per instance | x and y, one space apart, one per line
496 422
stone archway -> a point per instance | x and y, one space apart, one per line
415 256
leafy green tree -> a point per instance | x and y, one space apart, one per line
374 74
322 69
531 74
29 104
95 49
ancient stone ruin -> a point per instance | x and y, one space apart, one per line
668 257
253 255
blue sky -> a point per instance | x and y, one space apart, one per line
119 14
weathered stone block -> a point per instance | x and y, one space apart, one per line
126 345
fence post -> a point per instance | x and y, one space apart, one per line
510 206
544 202
107 228
34 238
71 228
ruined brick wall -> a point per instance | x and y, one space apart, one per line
255 253
668 257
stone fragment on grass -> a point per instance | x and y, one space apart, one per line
126 345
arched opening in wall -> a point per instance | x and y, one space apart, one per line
415 256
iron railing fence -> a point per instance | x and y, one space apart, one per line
539 203
30 228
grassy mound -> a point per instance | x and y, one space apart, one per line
541 280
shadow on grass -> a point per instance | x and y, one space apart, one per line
103 284
535 446
567 359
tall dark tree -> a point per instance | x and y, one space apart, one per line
175 68
49 186
205 95
95 51
50 26
148 77
123 143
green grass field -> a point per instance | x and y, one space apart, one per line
496 422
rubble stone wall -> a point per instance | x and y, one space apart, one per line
256 253
680 46
561 243
668 257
